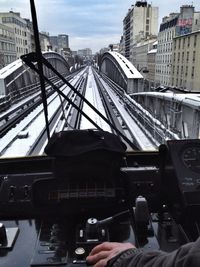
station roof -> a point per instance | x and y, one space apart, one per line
128 68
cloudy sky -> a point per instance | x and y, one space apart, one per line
89 23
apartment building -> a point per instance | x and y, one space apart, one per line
175 25
21 31
140 52
44 41
63 41
151 65
164 49
7 46
59 42
186 62
86 53
140 22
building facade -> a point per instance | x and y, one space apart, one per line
164 49
151 65
186 62
21 31
86 52
177 24
44 41
7 46
63 41
60 42
140 52
140 22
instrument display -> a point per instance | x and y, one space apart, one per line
59 193
191 157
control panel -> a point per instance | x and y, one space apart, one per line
56 222
185 156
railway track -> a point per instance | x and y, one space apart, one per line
108 98
33 124
14 115
116 106
152 127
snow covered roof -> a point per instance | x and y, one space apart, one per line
129 70
187 99
152 51
6 71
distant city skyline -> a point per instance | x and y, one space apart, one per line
89 23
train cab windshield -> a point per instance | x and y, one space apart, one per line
52 88
99 128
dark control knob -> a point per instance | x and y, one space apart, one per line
92 228
11 192
3 236
55 226
80 253
55 230
26 191
54 239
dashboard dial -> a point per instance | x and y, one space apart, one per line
191 158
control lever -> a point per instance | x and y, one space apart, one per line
114 217
95 228
92 228
142 217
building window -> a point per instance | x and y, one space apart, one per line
187 59
192 74
177 70
148 9
195 40
182 56
194 54
178 56
179 43
186 71
188 41
181 70
183 43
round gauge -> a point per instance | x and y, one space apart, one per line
191 158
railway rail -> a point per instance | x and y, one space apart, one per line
127 116
14 115
152 127
33 124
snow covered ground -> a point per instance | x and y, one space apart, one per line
93 96
34 124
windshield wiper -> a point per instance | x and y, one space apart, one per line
31 58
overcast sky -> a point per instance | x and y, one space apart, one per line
89 23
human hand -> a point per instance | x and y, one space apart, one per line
101 254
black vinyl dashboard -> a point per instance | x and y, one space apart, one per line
55 221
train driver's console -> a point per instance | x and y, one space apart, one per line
52 216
